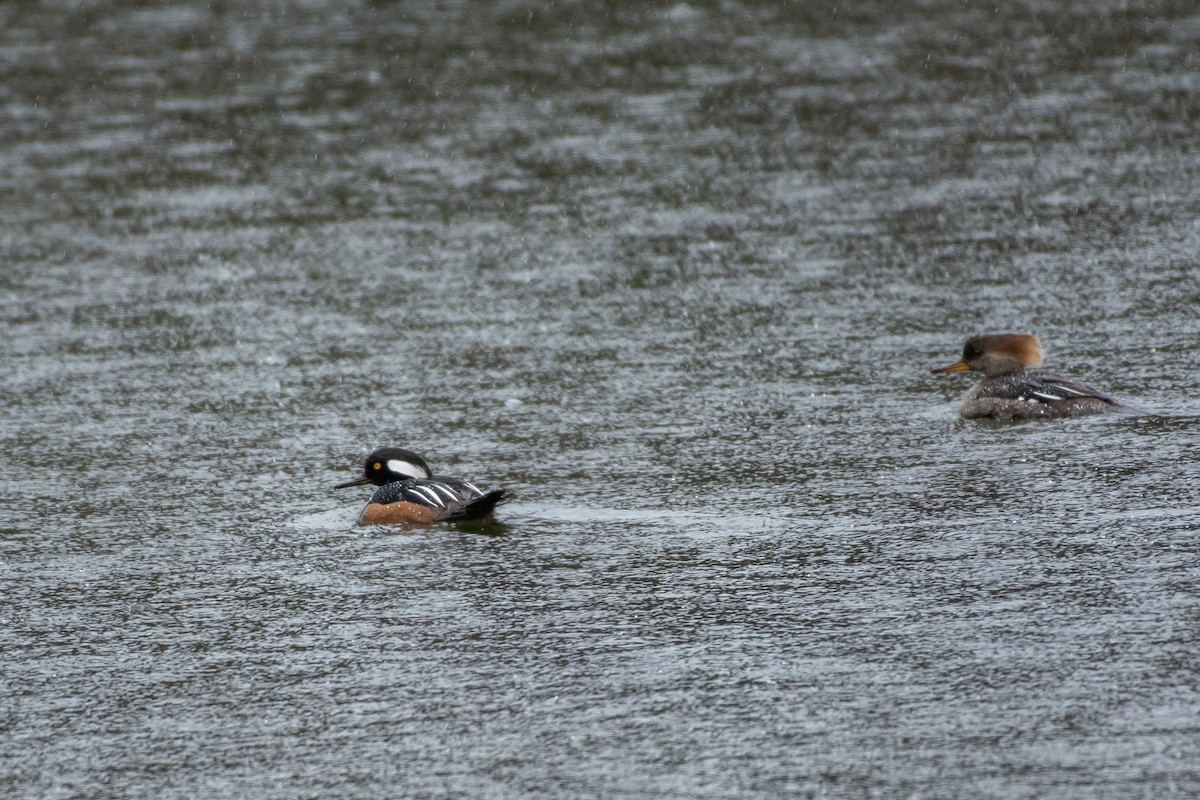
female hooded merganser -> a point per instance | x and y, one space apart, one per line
409 493
1009 391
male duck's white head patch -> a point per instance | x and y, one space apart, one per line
402 467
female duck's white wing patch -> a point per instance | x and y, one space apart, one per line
1038 387
1070 391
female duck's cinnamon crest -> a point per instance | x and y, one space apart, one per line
1010 391
998 354
410 494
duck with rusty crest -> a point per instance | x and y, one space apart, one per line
1010 390
410 494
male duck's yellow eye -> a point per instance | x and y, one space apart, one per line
377 466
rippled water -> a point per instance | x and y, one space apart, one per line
673 274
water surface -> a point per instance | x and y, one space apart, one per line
675 275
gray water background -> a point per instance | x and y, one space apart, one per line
674 274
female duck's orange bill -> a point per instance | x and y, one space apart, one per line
961 366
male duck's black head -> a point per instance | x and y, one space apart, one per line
388 465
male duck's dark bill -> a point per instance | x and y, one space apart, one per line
355 482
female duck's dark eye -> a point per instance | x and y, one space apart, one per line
972 351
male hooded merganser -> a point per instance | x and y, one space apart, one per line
1009 391
409 493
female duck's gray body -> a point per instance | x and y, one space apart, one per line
1010 391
